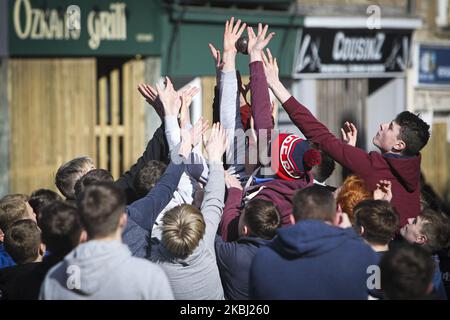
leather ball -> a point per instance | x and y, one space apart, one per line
242 45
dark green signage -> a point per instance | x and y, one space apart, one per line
83 27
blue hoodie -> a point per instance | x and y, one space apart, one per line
312 260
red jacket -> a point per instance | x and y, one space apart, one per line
404 173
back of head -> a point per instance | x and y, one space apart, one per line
12 209
315 203
101 206
325 168
182 229
148 176
90 178
41 198
436 228
406 272
413 131
262 218
61 228
379 219
22 241
353 191
69 173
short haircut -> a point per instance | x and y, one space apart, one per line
315 202
15 196
90 178
148 176
42 197
436 227
325 169
101 206
61 228
22 241
406 272
182 229
69 173
12 209
413 131
353 191
379 219
263 218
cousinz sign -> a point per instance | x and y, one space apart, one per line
83 27
330 53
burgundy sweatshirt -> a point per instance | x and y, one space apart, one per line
404 173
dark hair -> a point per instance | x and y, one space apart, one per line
61 228
90 178
262 218
314 202
148 176
406 272
413 131
436 227
12 209
69 173
100 206
42 197
22 241
324 170
379 219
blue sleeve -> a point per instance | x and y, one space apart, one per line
145 211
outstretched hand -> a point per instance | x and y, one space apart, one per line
349 134
215 53
217 143
271 69
186 97
232 33
151 96
231 181
257 43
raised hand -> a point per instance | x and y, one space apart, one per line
349 134
215 53
232 33
170 98
257 43
231 181
270 67
383 191
151 96
186 99
217 144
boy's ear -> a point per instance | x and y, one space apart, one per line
41 249
422 239
83 237
400 146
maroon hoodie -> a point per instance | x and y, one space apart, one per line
404 173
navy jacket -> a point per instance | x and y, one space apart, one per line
142 213
234 260
312 260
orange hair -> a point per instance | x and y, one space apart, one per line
353 191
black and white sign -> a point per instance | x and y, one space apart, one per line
329 53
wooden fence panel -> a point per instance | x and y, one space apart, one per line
52 112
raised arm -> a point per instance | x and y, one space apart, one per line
213 202
352 158
232 211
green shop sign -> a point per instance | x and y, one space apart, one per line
83 27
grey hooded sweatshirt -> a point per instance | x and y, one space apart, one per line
105 270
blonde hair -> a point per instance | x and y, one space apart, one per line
182 229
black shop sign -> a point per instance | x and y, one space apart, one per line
330 53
